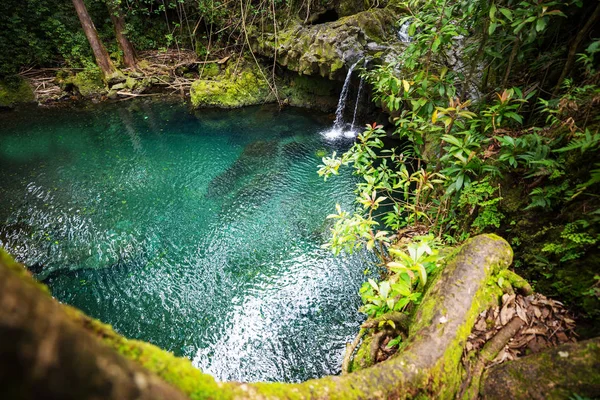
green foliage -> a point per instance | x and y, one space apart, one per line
467 126
576 238
481 199
406 279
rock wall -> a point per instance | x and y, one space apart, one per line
328 49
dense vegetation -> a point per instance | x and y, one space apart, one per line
46 33
500 133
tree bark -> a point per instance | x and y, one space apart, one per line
118 21
100 53
45 355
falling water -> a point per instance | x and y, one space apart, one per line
403 32
360 85
339 112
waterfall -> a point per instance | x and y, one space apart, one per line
360 85
339 112
403 35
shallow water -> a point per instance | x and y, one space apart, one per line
200 233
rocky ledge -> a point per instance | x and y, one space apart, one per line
329 48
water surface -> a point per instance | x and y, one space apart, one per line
199 232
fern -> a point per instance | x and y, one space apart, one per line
583 142
594 179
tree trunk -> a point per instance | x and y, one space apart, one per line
100 53
581 35
118 21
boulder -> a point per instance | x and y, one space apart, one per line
328 49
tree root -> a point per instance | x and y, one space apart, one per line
350 349
515 283
400 321
470 386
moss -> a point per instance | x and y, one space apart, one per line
231 89
14 90
89 82
177 371
362 359
558 373
130 83
512 281
6 260
443 380
210 70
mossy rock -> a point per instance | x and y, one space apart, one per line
209 70
89 82
14 90
231 89
558 373
327 49
310 92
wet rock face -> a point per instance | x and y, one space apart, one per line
328 49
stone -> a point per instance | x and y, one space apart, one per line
328 49
238 86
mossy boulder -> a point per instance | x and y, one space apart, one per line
89 82
238 86
558 373
14 90
324 11
328 49
209 70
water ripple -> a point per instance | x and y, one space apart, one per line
199 233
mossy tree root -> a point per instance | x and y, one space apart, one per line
400 321
470 387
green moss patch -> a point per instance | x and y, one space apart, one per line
14 90
231 89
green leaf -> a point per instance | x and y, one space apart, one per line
384 289
507 13
436 44
374 284
540 24
459 182
391 303
452 140
422 274
412 29
493 12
